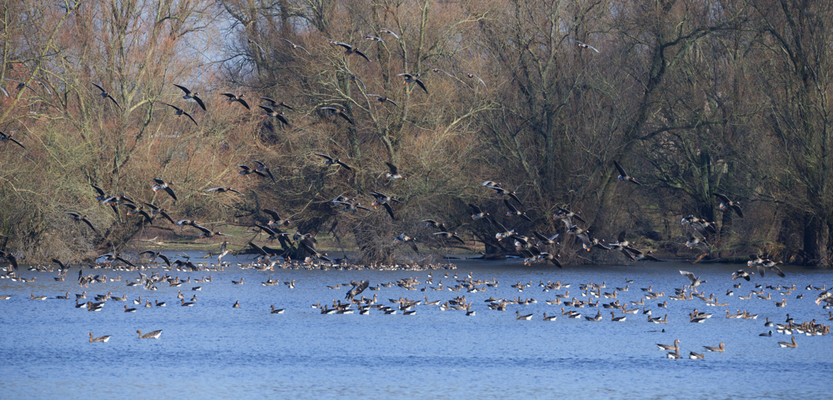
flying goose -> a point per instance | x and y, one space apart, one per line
408 79
270 112
725 203
162 185
330 161
180 111
81 218
389 32
583 45
106 95
231 98
623 176
7 137
191 96
295 46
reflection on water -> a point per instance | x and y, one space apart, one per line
214 350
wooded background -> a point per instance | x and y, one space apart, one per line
693 97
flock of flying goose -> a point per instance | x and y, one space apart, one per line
533 248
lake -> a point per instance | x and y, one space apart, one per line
212 350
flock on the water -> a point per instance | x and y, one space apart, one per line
622 303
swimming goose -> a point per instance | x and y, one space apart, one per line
614 318
768 334
100 339
277 311
151 335
550 318
240 282
522 317
188 304
674 355
129 309
597 317
237 304
675 346
719 348
33 297
694 356
65 297
791 344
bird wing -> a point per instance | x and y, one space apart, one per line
109 96
170 192
258 249
268 109
458 238
15 140
339 162
738 210
413 246
183 88
393 169
98 189
723 198
243 102
510 206
325 156
166 216
388 31
361 54
192 118
422 85
389 210
86 221
119 258
619 167
272 213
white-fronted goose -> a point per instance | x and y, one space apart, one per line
791 344
151 335
522 317
100 339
